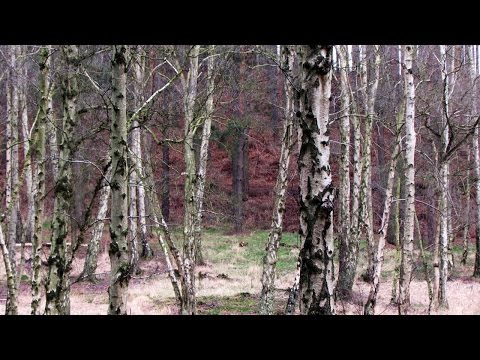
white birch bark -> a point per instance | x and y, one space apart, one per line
317 279
407 244
118 251
274 237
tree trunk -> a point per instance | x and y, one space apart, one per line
38 164
476 157
407 243
270 258
190 93
346 272
11 175
57 287
369 308
466 226
316 188
118 251
165 182
203 156
91 259
11 305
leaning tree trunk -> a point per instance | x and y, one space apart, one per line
57 286
407 244
38 163
369 308
118 251
91 259
270 258
203 156
317 279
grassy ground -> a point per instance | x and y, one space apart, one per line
230 281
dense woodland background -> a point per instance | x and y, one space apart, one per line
331 178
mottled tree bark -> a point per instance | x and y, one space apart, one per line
190 93
57 285
369 95
369 308
317 278
275 235
203 155
91 259
476 167
11 305
11 174
38 163
407 244
118 251
346 271
444 170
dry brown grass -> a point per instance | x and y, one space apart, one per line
151 293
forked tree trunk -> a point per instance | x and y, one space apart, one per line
118 251
275 235
317 279
407 244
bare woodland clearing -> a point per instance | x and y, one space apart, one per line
239 179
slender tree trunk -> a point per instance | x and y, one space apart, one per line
57 287
476 157
166 181
369 95
11 175
369 308
436 267
91 259
203 156
407 243
177 277
119 259
316 188
444 170
466 226
346 272
270 258
11 305
190 179
38 162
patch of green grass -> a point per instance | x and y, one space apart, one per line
246 250
243 303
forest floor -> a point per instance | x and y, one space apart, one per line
231 280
